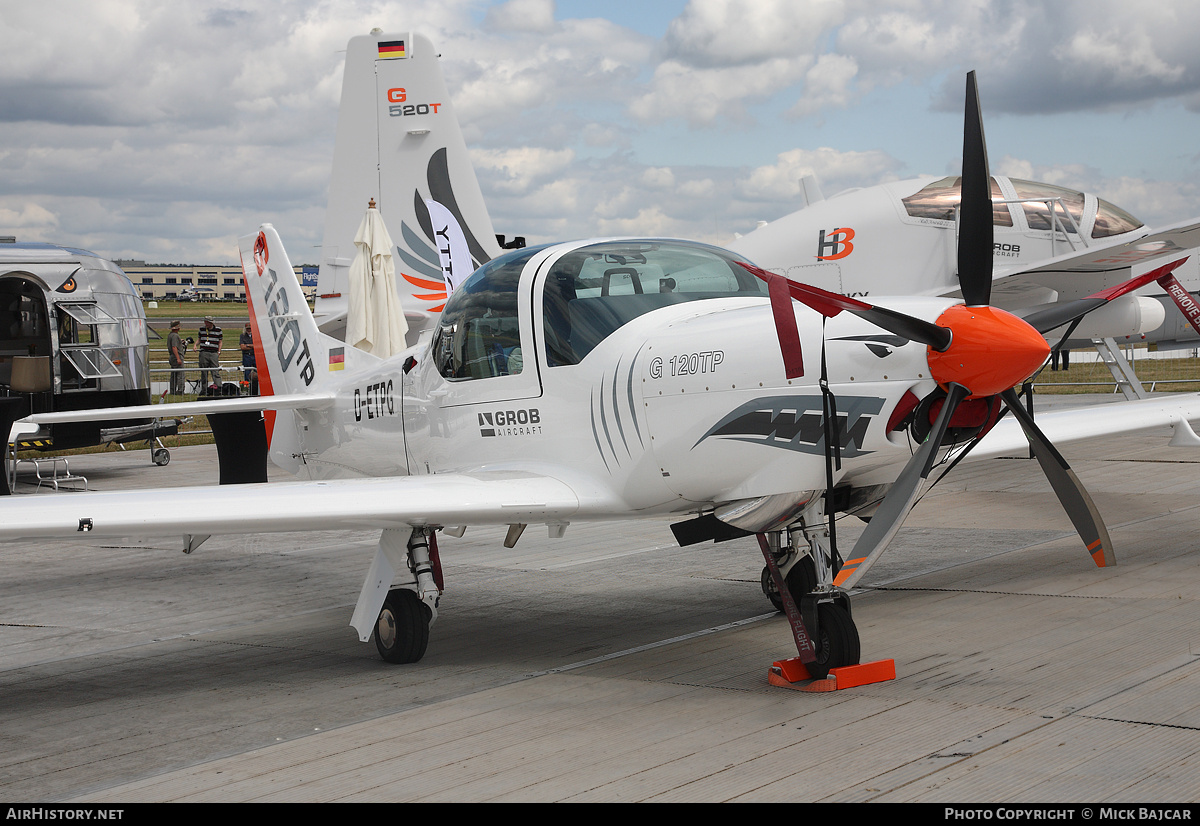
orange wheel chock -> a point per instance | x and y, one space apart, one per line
789 673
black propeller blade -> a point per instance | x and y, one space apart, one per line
1070 491
901 498
975 232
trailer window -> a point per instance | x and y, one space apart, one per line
91 363
86 313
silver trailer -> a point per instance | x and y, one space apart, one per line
73 336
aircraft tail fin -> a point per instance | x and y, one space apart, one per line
399 143
292 355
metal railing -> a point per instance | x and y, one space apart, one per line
1164 371
1063 224
191 385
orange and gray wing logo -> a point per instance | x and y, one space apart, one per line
441 249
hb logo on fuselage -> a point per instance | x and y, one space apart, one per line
836 242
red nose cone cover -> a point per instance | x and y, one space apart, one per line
991 350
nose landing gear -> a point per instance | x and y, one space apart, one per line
799 581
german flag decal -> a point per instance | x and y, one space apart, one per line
392 48
337 358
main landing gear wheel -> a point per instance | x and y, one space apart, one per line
838 643
161 456
800 580
402 630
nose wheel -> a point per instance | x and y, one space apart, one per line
818 614
836 642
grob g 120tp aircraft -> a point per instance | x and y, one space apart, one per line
611 379
617 378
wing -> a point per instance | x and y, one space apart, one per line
1087 271
1093 422
484 498
241 404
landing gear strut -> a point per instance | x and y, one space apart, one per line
398 615
819 612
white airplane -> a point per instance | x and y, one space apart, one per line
1053 246
618 378
399 142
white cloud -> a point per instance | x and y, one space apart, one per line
827 85
522 16
165 130
738 32
30 218
836 171
703 96
1130 56
658 178
518 171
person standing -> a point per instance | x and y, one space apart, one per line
175 351
249 373
209 348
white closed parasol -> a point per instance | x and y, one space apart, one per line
375 321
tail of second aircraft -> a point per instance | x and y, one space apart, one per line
399 143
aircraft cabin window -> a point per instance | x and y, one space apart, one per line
478 335
591 292
1112 220
1038 199
940 199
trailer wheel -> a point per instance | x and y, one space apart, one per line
161 456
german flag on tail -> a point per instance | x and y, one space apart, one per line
392 48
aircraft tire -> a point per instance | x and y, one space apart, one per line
402 630
161 457
801 580
838 642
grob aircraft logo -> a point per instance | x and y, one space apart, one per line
511 422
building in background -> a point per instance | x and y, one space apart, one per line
168 282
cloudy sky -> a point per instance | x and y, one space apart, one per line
163 130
